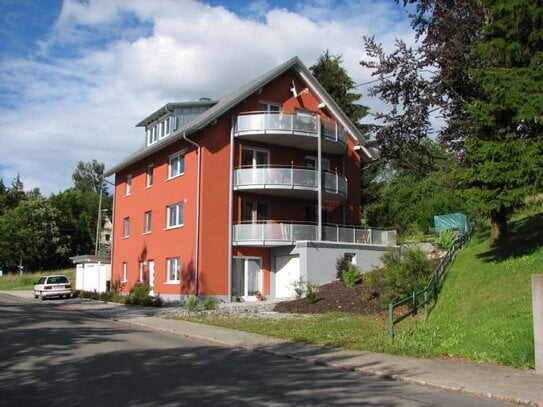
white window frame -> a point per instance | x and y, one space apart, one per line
246 259
125 272
149 176
147 222
178 216
173 265
128 185
180 157
126 227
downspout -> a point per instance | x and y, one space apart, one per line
197 248
230 209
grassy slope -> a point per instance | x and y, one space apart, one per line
484 312
26 281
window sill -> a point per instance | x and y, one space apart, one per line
146 233
175 176
174 227
172 282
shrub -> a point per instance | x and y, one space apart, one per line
369 282
210 304
299 287
311 293
446 239
405 272
342 265
192 303
351 276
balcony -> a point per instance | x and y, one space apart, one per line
292 130
296 182
288 233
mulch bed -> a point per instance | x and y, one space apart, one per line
336 296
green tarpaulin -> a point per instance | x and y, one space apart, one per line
456 221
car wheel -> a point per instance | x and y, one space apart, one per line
42 297
35 295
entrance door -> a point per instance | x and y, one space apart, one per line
246 276
286 275
151 277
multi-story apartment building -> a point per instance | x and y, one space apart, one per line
243 194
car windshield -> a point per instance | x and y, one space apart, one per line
57 280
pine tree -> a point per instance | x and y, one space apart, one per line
505 151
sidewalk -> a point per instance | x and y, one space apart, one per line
489 381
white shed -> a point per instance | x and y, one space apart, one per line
92 273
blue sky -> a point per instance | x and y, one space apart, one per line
76 76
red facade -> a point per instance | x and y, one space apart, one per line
237 193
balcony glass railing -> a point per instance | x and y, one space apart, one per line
268 233
284 123
288 177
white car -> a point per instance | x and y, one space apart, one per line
53 286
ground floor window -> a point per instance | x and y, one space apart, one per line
173 266
246 276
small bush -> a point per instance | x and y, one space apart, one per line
210 304
405 272
193 303
351 276
369 282
311 293
342 265
446 239
299 287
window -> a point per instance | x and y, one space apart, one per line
147 219
269 107
246 276
350 257
252 157
149 181
125 271
175 215
177 165
311 162
126 227
128 185
254 211
142 271
174 269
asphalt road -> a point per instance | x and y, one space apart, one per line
50 356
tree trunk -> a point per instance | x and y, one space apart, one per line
498 224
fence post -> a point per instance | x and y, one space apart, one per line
426 302
414 304
537 307
391 320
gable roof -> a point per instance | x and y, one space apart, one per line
228 102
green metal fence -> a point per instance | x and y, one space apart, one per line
427 297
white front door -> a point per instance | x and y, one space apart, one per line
286 275
246 276
151 277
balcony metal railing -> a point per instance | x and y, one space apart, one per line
284 123
267 233
270 177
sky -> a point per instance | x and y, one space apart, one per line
77 75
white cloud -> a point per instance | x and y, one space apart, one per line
84 105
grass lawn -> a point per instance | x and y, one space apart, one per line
483 313
26 281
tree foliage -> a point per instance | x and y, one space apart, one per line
337 82
88 177
505 152
42 232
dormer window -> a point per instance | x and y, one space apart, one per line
160 129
